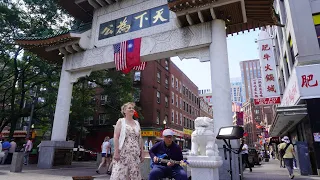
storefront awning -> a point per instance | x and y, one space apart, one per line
286 118
178 133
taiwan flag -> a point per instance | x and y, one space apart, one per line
127 55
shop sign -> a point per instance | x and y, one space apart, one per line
270 84
150 133
257 88
146 133
291 94
309 81
187 131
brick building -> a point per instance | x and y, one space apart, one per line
168 99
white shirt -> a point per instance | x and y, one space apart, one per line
29 146
13 147
245 146
105 145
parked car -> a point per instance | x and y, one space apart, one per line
84 154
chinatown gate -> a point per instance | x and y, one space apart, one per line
183 28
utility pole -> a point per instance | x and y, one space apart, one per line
34 101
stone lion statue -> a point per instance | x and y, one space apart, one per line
203 139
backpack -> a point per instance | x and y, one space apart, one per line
283 151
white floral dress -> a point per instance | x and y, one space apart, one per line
128 168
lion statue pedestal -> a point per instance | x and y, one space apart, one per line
204 160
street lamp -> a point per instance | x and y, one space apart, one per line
164 123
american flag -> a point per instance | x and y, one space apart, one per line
120 55
140 67
127 56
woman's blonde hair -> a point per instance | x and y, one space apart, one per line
124 107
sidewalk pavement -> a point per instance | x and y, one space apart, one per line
31 172
271 171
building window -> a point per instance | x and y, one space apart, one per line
177 85
172 81
180 86
166 101
158 76
103 99
166 64
177 100
184 105
158 116
177 117
166 118
172 116
158 97
102 119
181 119
88 120
186 92
167 82
183 89
172 98
291 49
187 107
137 76
180 103
185 121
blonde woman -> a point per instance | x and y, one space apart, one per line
128 146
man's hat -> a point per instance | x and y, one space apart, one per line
167 132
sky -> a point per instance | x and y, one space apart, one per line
240 47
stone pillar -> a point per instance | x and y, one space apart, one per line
61 116
221 97
17 162
53 152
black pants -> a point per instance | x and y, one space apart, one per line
245 160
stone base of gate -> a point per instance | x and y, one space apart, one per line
55 153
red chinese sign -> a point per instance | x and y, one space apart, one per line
267 101
257 89
268 66
307 81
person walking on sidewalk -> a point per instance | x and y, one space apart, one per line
104 156
111 141
287 151
245 154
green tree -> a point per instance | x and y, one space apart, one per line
20 71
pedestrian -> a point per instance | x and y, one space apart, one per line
282 165
173 152
287 151
12 149
128 146
5 148
112 154
27 149
104 149
245 155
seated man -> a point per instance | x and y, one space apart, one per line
173 151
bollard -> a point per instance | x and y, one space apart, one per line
17 162
82 178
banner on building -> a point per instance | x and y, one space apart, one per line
257 88
270 84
